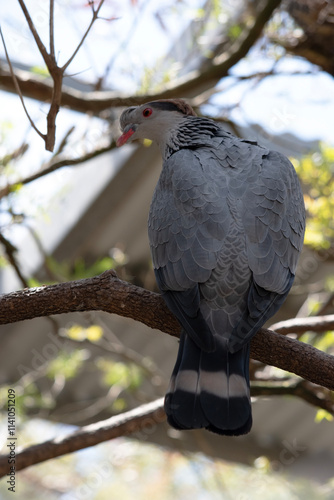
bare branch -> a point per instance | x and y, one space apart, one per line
64 141
52 40
55 71
133 421
56 164
40 44
301 325
17 88
145 416
312 394
94 17
10 252
108 293
188 86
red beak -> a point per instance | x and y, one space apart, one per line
125 137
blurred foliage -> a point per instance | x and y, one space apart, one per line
66 271
324 342
67 363
40 70
234 31
329 284
34 397
79 333
127 469
323 415
316 172
3 261
28 399
125 375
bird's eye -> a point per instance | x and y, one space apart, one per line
147 112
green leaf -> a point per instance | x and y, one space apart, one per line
316 172
119 405
16 187
325 342
67 363
235 31
40 70
125 375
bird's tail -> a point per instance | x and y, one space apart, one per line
210 389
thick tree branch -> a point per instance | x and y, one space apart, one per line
190 85
144 417
107 293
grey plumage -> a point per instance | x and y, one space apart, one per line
226 227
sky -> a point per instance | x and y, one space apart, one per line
138 36
132 38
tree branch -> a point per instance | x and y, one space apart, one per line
188 86
56 164
108 293
17 88
56 72
40 44
94 17
301 325
51 30
145 416
10 251
306 391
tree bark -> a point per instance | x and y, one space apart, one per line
110 294
145 417
316 18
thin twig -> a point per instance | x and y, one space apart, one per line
40 44
94 17
303 389
10 252
55 165
302 325
188 86
52 41
17 88
64 141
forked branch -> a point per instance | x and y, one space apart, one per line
56 72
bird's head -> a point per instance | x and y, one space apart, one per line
154 120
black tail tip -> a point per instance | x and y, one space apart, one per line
181 420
